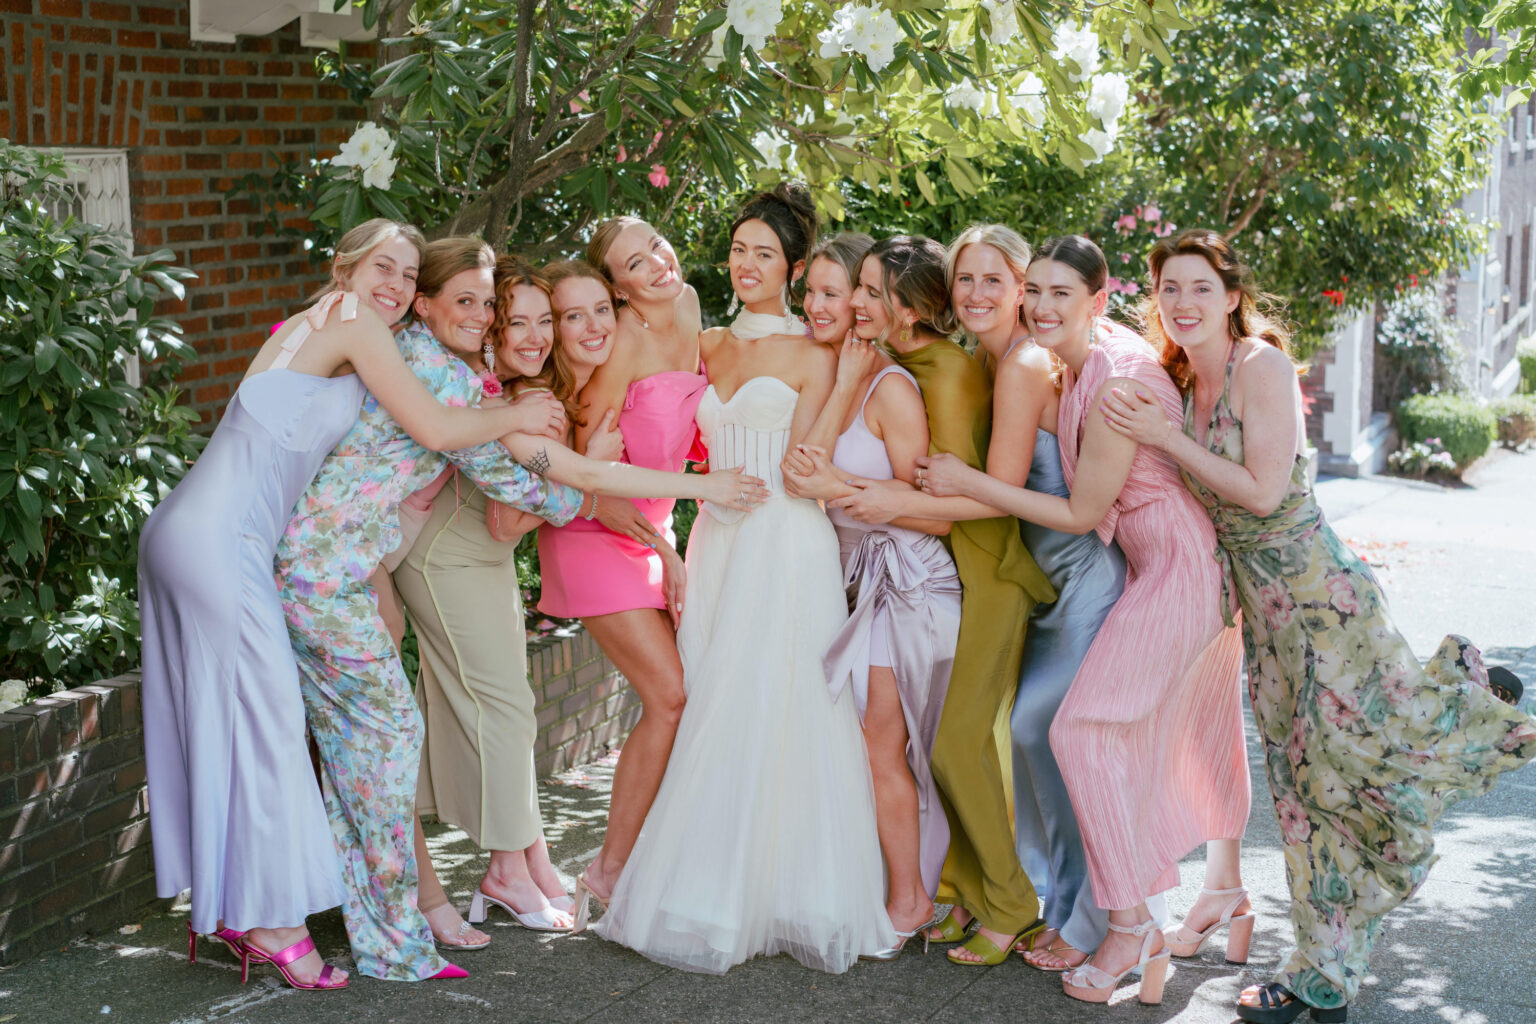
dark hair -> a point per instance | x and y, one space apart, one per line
1081 254
790 212
1250 319
914 269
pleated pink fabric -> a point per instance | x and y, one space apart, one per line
1150 736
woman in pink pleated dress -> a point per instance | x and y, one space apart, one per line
1150 736
618 571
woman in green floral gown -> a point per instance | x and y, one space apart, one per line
1364 747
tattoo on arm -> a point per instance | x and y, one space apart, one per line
538 462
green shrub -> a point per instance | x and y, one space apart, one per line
1526 353
1422 459
1417 352
1516 417
86 454
1463 428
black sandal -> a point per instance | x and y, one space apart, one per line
1279 1005
1505 685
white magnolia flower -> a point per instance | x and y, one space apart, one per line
377 174
1107 97
1100 141
755 20
871 32
1079 44
368 145
12 693
716 52
1304 98
1308 117
965 94
1030 99
1005 21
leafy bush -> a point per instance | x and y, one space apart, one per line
1516 416
1464 428
1417 352
1526 353
88 454
1422 459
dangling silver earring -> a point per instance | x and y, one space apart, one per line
488 355
643 321
787 308
734 306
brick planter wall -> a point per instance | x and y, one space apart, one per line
74 827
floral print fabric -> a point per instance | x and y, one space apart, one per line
1364 748
357 699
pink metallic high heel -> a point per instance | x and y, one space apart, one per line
282 958
228 936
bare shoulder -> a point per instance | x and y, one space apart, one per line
897 394
688 311
818 359
711 338
1026 368
1261 366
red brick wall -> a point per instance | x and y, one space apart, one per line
74 826
193 117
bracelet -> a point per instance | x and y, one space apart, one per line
592 513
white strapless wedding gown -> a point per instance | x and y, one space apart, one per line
762 838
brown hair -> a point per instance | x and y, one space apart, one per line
1086 259
444 258
602 240
555 273
912 269
556 375
1254 317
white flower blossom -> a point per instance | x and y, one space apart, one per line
12 693
770 145
1079 44
964 94
871 32
1101 143
1308 117
716 53
1030 99
377 174
1304 98
1005 21
368 145
1107 97
754 20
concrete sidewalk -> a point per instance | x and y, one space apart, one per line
1460 953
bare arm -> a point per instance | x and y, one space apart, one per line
1103 467
855 360
370 348
815 387
544 457
1271 400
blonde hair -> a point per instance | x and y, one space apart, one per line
602 240
354 246
1015 251
847 249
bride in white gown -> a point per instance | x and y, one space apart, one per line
762 838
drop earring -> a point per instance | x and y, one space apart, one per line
488 356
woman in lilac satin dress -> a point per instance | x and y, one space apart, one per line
237 816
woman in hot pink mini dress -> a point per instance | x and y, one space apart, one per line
619 572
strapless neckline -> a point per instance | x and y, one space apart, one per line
745 385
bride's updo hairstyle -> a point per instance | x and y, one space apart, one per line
914 269
791 213
1252 318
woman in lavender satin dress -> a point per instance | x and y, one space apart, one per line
237 816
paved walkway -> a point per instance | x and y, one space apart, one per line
1459 953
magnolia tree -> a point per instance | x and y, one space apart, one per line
525 122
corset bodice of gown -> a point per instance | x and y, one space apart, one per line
750 432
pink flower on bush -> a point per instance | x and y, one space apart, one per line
1152 215
658 176
1166 230
1125 257
1126 224
622 154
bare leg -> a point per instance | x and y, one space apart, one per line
1223 870
642 644
542 871
885 735
1119 950
509 880
444 918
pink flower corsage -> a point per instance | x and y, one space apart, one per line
490 384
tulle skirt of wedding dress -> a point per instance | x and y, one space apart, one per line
762 838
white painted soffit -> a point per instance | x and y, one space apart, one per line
221 21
